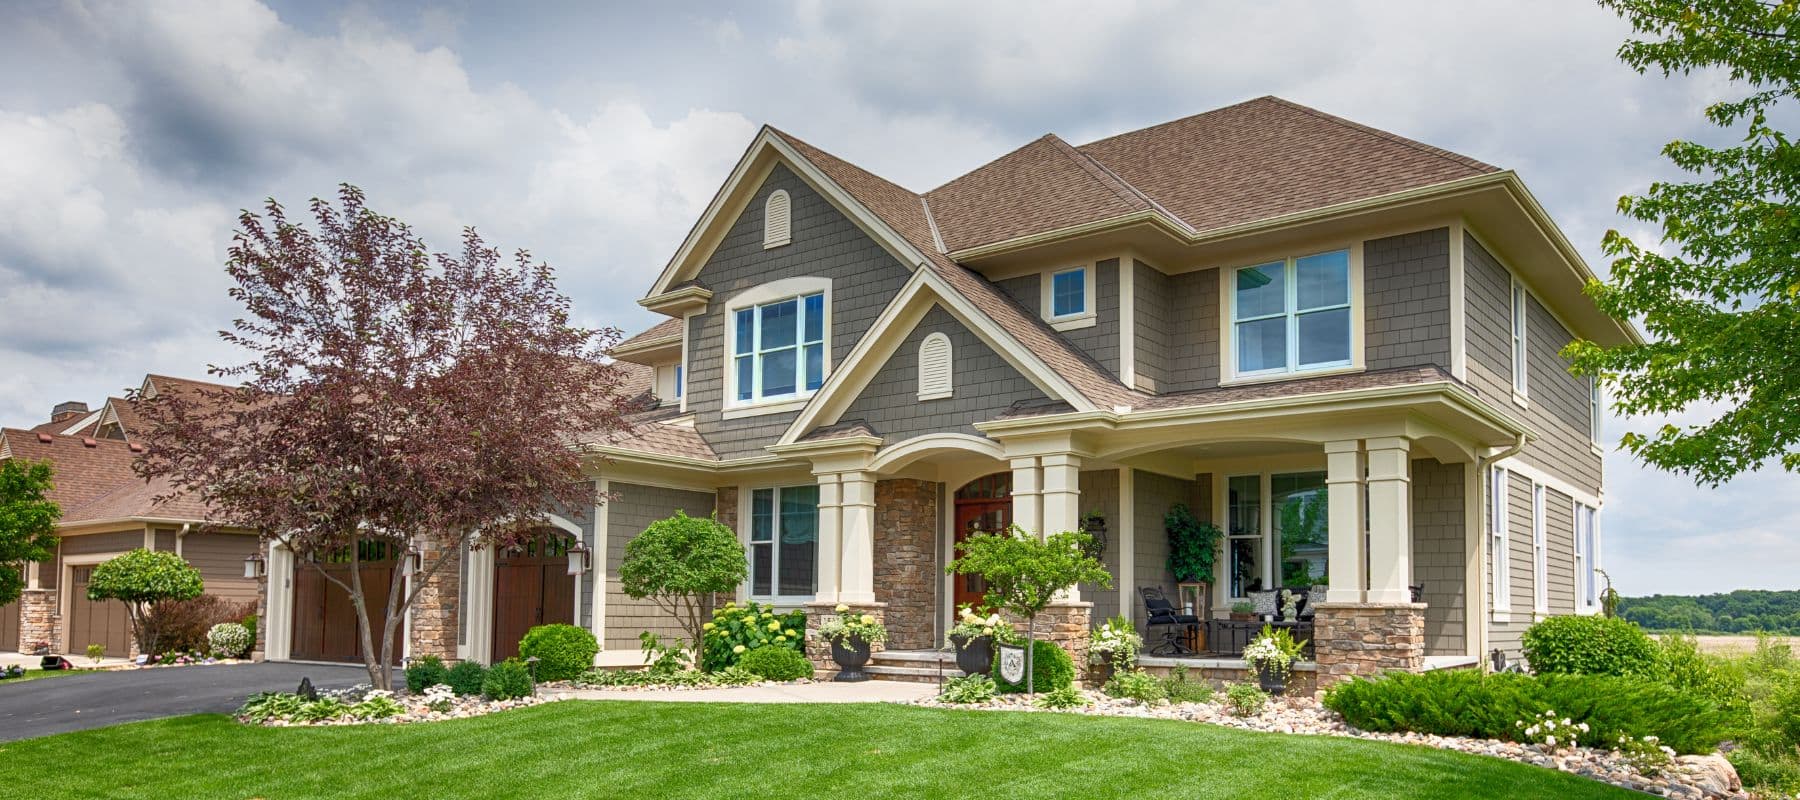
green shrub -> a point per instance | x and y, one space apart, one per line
1052 665
1467 703
1590 645
224 640
426 672
466 677
563 651
777 664
1722 683
1136 685
507 680
751 626
1767 775
968 689
1182 690
1245 699
1066 697
736 675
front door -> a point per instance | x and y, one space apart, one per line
532 587
985 505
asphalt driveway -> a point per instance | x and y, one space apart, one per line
78 702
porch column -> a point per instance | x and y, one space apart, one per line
1345 566
1026 495
830 535
1390 520
857 518
1061 491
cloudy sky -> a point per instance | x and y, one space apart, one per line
132 133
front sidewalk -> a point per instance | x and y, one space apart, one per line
825 692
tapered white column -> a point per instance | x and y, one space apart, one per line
857 584
1346 566
1390 520
829 567
1028 507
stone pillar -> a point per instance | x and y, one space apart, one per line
818 651
858 538
829 570
434 620
1067 624
906 562
1351 639
1028 506
37 620
257 648
1390 520
1345 565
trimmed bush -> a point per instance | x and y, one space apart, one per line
1590 645
751 626
1052 664
426 672
1137 685
1468 703
777 663
466 677
563 651
507 680
228 640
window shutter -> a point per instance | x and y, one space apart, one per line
935 379
777 216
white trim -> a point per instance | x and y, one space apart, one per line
765 294
1499 539
1459 307
90 419
1356 306
775 597
1519 339
937 380
899 455
1127 543
278 615
1128 324
1516 466
1087 317
687 325
602 533
1540 551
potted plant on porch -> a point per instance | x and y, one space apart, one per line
1271 657
1113 648
973 636
851 637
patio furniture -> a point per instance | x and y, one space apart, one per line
1176 625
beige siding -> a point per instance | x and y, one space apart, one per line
1438 545
1559 522
220 559
1100 493
102 543
630 512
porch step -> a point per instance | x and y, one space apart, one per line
882 672
918 666
914 656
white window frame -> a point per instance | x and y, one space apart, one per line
1229 321
1519 308
1595 410
772 292
1584 576
1499 514
750 545
1087 317
680 381
1260 536
1540 551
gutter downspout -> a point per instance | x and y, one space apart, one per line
180 535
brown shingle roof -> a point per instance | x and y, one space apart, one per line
1044 185
656 431
661 330
95 482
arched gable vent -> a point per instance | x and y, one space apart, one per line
935 379
777 219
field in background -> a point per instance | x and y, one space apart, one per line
1734 645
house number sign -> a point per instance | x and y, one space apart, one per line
1012 663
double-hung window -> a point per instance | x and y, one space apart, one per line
1587 556
1497 542
784 542
1594 408
678 381
1521 375
1292 315
1540 552
778 348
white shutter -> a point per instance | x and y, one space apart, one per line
777 216
935 379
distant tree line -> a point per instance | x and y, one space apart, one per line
1742 611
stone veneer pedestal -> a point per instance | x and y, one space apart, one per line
435 610
818 651
1352 639
37 619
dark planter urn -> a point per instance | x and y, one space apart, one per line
850 659
974 655
1270 680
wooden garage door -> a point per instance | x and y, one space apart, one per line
532 586
325 620
9 628
101 622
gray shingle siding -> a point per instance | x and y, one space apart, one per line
631 511
1438 548
1488 330
985 385
825 244
1153 495
1024 290
1100 493
1155 319
1101 340
1406 311
1193 342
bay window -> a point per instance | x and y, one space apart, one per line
1292 315
784 542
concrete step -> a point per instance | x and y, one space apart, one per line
910 674
913 657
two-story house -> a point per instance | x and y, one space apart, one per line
1337 344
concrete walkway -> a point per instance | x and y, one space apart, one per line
828 692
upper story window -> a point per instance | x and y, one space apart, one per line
776 338
1595 406
1068 300
1293 315
778 213
680 382
1520 375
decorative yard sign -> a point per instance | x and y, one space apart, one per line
1012 663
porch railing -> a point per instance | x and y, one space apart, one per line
1227 638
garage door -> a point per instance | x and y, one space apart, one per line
101 622
532 586
9 628
325 620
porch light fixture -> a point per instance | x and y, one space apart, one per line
411 562
579 558
254 566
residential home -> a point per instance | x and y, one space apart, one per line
1338 345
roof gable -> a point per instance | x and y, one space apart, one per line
1042 186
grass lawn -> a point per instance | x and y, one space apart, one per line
629 749
37 674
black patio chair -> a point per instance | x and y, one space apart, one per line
1159 612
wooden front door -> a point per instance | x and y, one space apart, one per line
101 622
532 586
984 505
325 626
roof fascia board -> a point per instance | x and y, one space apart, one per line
93 418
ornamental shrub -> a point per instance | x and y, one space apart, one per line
1052 664
1246 699
181 626
141 579
1065 698
425 673
507 680
228 640
975 688
563 651
1590 645
681 564
751 626
466 677
1137 685
777 663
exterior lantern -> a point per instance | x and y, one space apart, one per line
254 566
412 562
578 558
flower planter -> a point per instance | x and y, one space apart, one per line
850 659
974 655
1270 680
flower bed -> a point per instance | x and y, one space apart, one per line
624 680
1692 777
362 705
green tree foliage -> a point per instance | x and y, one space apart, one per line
682 564
1742 611
27 522
1721 296
141 579
1025 573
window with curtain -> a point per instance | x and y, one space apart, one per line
784 542
778 348
1292 315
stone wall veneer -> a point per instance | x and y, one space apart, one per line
1067 625
1352 639
906 563
37 620
818 650
434 611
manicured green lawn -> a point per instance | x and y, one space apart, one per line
37 674
627 750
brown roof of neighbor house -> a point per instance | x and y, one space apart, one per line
130 422
661 330
96 473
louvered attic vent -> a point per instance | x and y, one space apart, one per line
935 379
777 220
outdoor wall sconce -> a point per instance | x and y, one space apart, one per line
412 562
254 566
579 558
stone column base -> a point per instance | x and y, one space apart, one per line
818 651
434 611
37 620
1066 624
1352 639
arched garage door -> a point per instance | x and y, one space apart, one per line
325 620
101 622
532 586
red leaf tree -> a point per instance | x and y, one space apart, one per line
424 401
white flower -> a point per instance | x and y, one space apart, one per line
1550 740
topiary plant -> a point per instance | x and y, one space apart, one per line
466 677
681 564
777 663
427 672
507 680
1590 645
563 651
141 579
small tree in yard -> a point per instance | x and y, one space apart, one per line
1024 574
141 579
27 522
681 564
435 403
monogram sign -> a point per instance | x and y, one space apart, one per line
1012 663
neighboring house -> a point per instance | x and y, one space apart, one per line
107 510
1338 344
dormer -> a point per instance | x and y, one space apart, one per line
663 348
